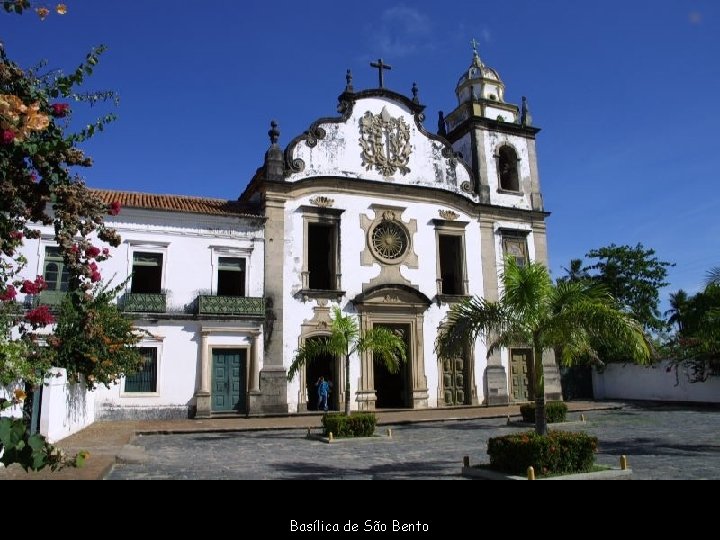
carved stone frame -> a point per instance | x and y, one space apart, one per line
328 216
319 326
389 270
394 304
451 228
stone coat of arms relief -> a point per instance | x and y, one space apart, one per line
385 143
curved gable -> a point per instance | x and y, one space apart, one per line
379 137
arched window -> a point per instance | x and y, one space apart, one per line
508 169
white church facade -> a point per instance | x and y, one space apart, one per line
367 211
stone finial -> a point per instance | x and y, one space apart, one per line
414 91
348 81
274 162
442 130
274 133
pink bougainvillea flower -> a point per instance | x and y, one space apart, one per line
29 287
40 283
95 277
8 136
40 316
60 110
106 252
92 252
16 235
114 209
9 294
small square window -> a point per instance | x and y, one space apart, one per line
145 380
147 273
231 276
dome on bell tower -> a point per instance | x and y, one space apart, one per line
480 82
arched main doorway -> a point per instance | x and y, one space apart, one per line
391 389
400 308
325 366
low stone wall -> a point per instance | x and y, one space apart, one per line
109 412
66 407
659 382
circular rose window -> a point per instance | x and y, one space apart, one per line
389 240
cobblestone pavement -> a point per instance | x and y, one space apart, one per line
660 442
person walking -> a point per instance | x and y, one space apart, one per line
323 388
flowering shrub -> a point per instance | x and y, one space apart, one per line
39 185
103 351
556 452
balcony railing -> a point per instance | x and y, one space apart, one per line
144 303
230 305
50 298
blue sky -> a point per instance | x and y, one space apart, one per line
626 93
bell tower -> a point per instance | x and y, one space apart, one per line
497 140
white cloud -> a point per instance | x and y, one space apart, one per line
401 32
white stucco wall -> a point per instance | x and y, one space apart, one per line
191 245
655 383
354 275
66 408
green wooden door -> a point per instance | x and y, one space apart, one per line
229 383
454 381
521 374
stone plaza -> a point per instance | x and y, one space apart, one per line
661 442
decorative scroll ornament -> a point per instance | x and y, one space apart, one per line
385 143
322 201
449 215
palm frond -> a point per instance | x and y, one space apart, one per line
310 351
713 276
465 321
386 346
526 288
344 332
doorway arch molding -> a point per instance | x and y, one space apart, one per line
394 304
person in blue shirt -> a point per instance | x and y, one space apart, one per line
323 388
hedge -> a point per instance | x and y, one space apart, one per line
556 452
555 411
359 424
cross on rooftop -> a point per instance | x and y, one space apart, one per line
380 67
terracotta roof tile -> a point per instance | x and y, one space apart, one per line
177 203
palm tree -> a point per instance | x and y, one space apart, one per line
679 304
569 316
345 340
576 272
713 276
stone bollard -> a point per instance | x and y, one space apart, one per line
531 473
623 463
466 461
389 433
582 417
308 433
